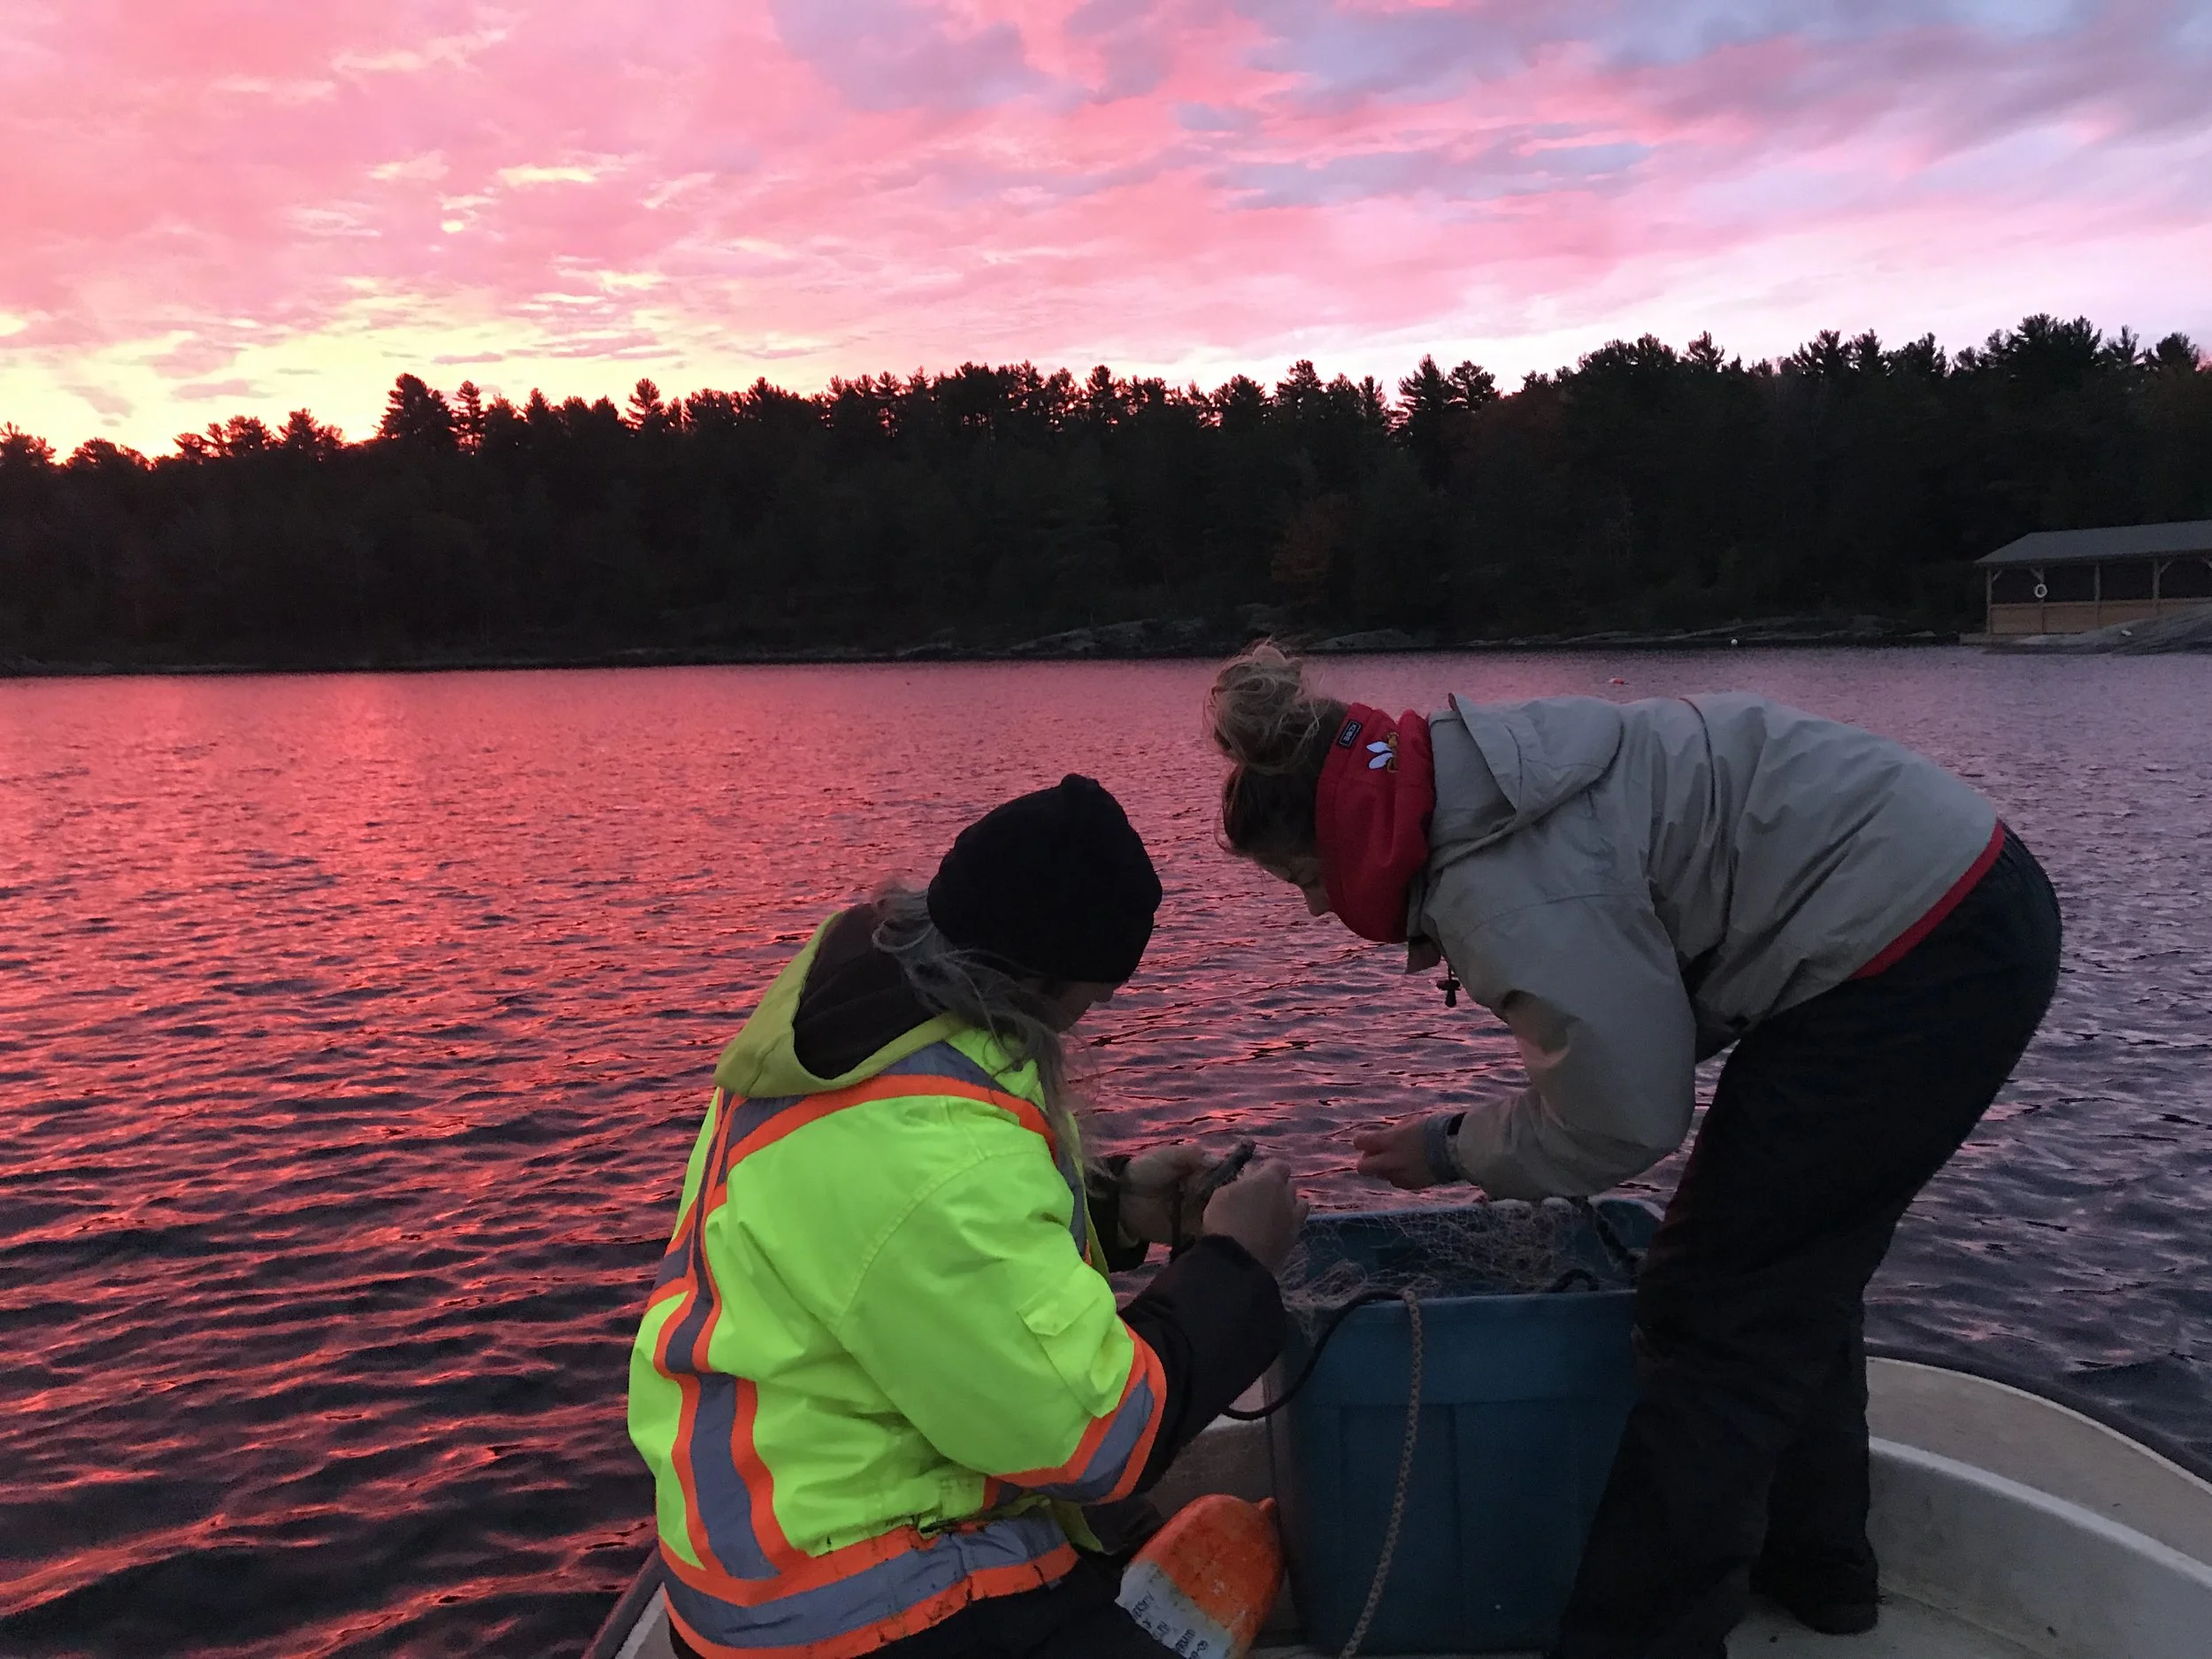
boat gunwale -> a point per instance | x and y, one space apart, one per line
2051 1392
623 1619
612 1641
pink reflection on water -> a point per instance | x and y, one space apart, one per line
353 1029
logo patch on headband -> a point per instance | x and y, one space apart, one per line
1349 735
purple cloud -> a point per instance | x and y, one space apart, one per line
905 54
314 198
1499 170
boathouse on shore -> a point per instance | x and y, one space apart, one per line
2069 581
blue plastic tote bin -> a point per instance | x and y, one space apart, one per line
1523 1400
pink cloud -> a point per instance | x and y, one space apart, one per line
564 192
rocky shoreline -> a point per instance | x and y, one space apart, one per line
1145 640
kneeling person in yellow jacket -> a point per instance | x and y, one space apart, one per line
882 1367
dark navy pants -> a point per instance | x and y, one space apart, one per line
1747 1444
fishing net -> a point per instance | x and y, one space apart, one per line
1502 1248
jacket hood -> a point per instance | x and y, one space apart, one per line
1501 766
762 1061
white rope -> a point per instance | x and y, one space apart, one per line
1405 1480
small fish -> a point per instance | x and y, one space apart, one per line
1225 1171
1190 1209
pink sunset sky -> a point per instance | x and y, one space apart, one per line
210 207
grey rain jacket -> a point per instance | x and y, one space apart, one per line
1631 888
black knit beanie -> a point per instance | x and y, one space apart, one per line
1055 884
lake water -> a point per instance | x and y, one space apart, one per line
353 1030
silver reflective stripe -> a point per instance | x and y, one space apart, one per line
746 1115
691 1251
724 1504
941 1059
1110 1462
871 1595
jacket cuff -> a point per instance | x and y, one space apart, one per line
1215 1317
1436 1144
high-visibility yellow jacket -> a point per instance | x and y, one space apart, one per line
877 1351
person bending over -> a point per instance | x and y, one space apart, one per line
882 1370
1632 888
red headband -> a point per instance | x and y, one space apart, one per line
1371 818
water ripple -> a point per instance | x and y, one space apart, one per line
353 1031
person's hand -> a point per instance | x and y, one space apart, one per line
1396 1154
1156 1187
1261 1211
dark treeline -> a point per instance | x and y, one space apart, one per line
1645 487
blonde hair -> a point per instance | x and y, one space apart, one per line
1263 714
947 979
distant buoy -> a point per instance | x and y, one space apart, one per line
1735 641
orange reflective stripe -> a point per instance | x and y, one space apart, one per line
714 1181
1146 1394
675 1278
695 1518
1146 1373
805 1572
816 1106
681 1355
691 1285
720 1106
752 1474
935 1609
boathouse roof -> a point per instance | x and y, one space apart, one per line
2118 541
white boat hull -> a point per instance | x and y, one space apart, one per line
2010 1526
